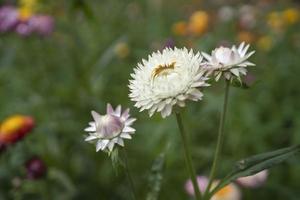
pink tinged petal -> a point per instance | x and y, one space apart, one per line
128 129
130 121
235 71
126 136
90 137
241 47
181 103
111 145
227 75
244 51
118 111
218 76
181 97
125 114
197 84
101 145
160 106
96 117
120 142
92 124
90 129
196 93
109 109
166 111
206 56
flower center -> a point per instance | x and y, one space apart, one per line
110 127
163 70
224 55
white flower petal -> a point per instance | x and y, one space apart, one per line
165 78
90 137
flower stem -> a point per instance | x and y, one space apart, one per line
127 171
188 159
219 141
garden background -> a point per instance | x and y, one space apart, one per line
86 60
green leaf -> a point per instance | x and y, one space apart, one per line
257 163
156 177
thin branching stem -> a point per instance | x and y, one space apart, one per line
188 158
219 142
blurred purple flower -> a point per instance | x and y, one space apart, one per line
169 43
42 24
249 79
8 18
35 168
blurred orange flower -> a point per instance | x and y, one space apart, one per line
275 21
180 28
198 23
15 128
246 36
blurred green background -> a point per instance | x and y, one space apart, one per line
86 62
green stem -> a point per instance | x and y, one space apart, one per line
219 141
188 159
130 179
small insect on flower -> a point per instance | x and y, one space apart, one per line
110 129
230 62
166 79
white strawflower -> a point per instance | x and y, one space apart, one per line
166 79
231 62
110 129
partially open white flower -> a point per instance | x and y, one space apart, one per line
110 129
166 79
231 62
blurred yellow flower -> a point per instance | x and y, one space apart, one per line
198 23
15 128
27 9
291 15
28 3
275 21
180 28
122 50
25 13
11 124
265 43
246 36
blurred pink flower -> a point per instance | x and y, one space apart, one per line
202 183
41 24
24 29
254 181
8 18
229 192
